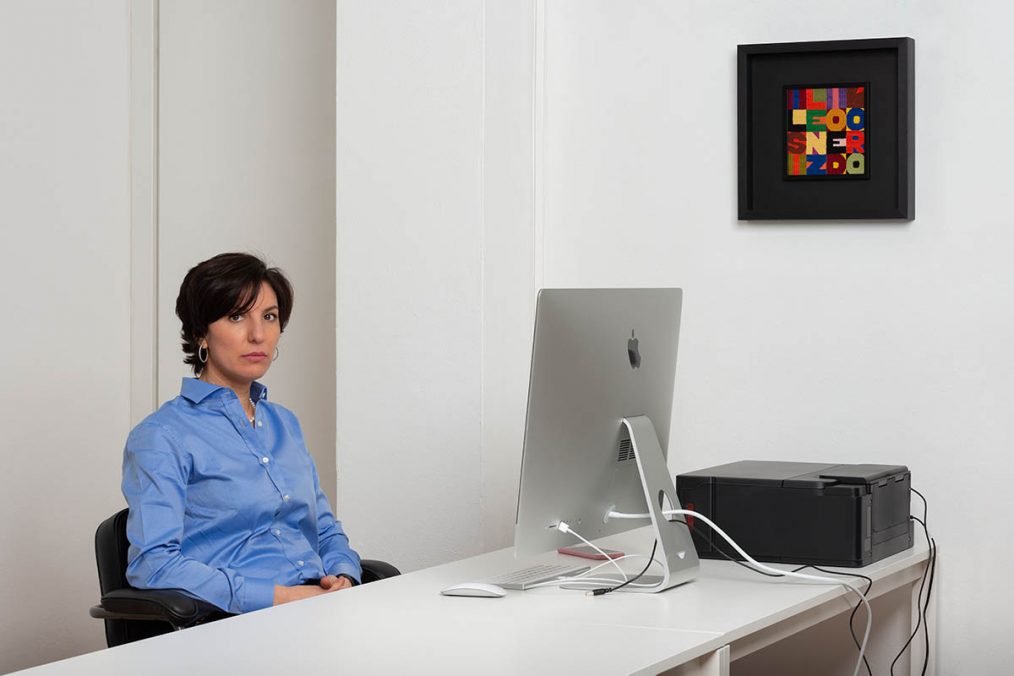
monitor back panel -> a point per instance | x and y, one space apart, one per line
599 355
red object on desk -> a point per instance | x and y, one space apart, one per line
586 552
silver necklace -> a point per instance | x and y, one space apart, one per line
253 405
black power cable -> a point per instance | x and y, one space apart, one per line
606 590
922 621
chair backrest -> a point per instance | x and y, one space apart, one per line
111 547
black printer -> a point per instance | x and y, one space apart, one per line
800 512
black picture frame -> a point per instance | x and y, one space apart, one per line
765 70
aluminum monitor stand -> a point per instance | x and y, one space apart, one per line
675 544
676 550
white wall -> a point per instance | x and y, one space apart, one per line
409 277
435 260
64 350
845 342
510 270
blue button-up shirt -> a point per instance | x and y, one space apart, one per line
224 510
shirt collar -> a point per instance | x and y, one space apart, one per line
197 390
258 392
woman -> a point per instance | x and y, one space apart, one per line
225 502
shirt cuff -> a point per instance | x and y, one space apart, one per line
257 593
349 571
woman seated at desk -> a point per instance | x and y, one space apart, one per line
225 502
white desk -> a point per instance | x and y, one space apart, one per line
403 625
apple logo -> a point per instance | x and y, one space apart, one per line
633 353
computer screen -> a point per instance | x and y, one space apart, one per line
599 356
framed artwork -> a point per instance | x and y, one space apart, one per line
826 130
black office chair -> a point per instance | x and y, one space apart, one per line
133 614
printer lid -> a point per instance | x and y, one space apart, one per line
796 474
862 474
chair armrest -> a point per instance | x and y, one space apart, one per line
166 605
377 570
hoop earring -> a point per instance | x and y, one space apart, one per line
204 359
277 353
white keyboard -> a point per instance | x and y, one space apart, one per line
533 575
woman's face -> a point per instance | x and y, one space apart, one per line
241 347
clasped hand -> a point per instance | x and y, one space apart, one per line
328 584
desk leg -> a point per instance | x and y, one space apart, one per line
713 664
717 663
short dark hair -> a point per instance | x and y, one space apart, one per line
221 286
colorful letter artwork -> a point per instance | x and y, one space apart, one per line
826 132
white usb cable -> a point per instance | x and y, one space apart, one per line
563 527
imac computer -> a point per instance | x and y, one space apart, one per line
599 407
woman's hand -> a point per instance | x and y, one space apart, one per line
334 583
304 591
298 593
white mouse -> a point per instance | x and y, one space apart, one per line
478 589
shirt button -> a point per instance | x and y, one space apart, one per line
299 563
277 532
260 423
265 460
286 498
